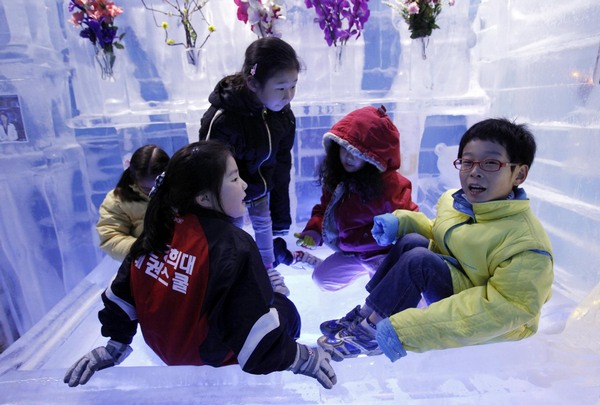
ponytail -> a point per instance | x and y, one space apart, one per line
158 226
123 189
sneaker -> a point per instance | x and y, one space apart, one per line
282 254
304 260
330 328
351 342
277 282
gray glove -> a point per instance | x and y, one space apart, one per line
97 359
314 362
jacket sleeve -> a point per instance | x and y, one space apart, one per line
225 128
246 318
119 316
506 308
315 223
114 228
413 222
279 201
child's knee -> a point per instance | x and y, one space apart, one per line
325 283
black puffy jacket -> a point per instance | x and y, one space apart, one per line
262 141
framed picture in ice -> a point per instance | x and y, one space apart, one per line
11 120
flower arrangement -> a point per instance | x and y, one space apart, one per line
420 15
263 16
184 11
340 19
97 17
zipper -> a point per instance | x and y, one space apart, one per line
469 221
264 112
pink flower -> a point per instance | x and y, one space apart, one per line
451 2
114 10
413 8
77 18
242 13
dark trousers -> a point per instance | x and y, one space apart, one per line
409 270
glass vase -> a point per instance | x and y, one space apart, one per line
421 67
194 63
344 71
106 62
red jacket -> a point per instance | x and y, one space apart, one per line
344 221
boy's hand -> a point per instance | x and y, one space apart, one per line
308 239
385 228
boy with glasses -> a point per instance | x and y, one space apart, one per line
483 265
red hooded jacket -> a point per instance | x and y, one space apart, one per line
342 218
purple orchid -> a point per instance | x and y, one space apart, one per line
340 19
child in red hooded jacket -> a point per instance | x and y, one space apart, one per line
360 180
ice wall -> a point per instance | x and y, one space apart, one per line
539 62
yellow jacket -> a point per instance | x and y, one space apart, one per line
500 260
121 222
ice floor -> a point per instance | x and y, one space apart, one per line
556 366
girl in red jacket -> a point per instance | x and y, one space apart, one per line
360 180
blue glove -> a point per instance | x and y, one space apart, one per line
385 228
388 341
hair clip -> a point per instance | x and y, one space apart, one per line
195 151
157 183
253 70
382 111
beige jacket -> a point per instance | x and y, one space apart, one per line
120 223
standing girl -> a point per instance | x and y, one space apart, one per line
251 112
196 283
360 180
122 211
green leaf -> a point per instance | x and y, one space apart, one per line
118 45
121 36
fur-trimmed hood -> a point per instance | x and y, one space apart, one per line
370 134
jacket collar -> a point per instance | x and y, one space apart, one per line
491 210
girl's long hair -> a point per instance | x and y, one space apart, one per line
193 169
367 182
146 163
270 55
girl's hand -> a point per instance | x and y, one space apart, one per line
308 239
385 228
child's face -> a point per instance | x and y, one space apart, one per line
145 185
233 191
350 162
278 91
481 186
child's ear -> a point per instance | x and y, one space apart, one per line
252 84
205 200
522 172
